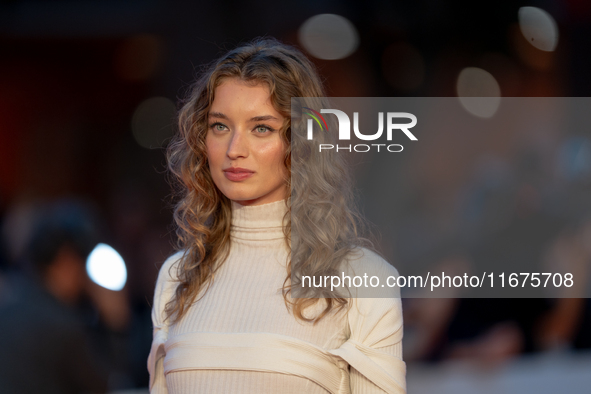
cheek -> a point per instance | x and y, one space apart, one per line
212 150
273 155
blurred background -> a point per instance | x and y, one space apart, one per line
88 94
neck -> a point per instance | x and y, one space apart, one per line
259 222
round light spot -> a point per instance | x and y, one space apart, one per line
329 36
479 92
538 27
152 122
575 158
106 267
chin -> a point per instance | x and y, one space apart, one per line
240 195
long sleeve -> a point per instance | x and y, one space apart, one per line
374 347
165 286
374 350
158 385
362 385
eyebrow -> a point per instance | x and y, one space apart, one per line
253 119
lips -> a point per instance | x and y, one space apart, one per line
237 174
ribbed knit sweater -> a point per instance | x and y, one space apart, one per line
240 337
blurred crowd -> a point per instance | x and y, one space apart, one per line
60 330
531 210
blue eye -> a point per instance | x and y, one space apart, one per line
218 127
263 129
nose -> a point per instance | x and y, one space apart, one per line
238 146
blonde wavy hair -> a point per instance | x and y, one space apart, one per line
320 213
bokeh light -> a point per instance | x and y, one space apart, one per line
539 28
478 91
575 158
329 36
106 267
152 122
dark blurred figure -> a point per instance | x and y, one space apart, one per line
43 343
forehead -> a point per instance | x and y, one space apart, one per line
236 95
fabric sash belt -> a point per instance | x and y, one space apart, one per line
268 352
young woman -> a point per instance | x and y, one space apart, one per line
225 317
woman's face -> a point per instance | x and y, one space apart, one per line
244 146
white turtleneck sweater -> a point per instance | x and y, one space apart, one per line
240 337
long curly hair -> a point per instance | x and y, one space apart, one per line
324 223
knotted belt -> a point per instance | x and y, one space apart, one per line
267 352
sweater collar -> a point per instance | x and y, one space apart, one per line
259 222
